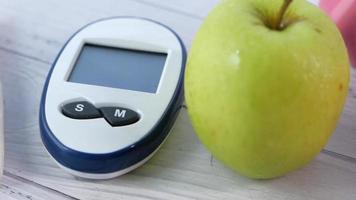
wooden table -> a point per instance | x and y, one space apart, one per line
31 35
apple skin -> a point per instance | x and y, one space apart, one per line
265 102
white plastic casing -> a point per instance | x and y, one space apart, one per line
97 136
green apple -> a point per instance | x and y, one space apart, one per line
265 84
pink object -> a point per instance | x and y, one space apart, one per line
343 12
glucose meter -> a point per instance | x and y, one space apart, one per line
112 96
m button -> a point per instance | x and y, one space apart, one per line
80 110
117 116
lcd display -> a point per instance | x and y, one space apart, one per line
118 68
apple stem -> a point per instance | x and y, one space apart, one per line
279 25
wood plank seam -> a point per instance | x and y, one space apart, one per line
5 187
23 55
339 156
24 180
168 9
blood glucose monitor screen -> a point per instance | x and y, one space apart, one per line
118 68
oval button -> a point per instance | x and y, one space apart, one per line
80 110
117 116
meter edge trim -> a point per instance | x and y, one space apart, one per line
124 158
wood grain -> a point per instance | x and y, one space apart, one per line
42 39
14 187
30 37
197 9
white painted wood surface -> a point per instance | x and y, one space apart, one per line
32 33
